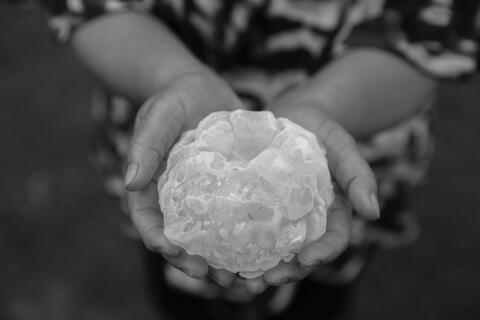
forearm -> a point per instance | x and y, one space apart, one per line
366 91
133 54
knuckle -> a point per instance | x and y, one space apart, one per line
138 212
150 242
142 113
348 141
216 278
130 204
325 130
350 183
340 166
149 245
222 278
256 287
340 242
140 150
275 278
334 248
227 282
343 245
196 273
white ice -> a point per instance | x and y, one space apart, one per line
245 190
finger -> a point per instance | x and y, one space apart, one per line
194 266
222 277
350 170
336 238
284 272
157 127
148 220
256 285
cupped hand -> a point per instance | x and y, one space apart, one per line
357 188
160 121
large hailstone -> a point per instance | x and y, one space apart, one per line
245 190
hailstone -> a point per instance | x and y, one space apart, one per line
245 190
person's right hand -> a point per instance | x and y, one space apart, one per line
160 121
357 189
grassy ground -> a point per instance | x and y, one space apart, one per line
62 255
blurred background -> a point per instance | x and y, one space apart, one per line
63 255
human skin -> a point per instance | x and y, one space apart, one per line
136 56
366 91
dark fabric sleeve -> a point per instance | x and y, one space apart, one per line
440 37
64 16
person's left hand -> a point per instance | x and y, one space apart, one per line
357 186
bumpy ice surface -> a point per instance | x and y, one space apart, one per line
245 190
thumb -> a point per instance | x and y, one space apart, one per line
158 124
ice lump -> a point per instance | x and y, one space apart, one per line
245 190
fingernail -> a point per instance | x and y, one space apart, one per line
170 251
131 173
374 204
227 283
257 289
174 252
308 263
281 282
222 283
188 272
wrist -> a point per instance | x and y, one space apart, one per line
190 70
198 92
309 95
289 105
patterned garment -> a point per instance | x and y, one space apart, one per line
265 47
